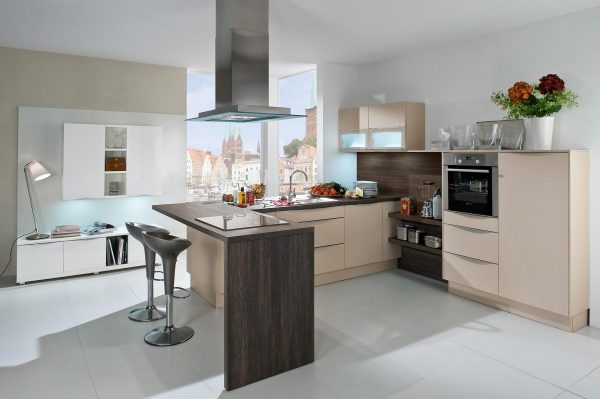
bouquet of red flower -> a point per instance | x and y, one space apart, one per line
524 100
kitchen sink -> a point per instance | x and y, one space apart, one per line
309 201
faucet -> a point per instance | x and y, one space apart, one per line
290 193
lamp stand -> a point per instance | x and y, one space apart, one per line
35 235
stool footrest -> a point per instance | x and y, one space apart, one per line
181 289
159 279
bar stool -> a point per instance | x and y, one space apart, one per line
168 247
150 312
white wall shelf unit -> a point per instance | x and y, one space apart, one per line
90 148
70 256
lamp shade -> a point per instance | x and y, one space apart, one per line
37 171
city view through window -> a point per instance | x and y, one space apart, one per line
223 156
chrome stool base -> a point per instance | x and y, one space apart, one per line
168 336
151 313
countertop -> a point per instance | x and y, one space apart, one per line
327 204
187 213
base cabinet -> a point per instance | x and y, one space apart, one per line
40 260
363 238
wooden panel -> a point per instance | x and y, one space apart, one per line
400 173
363 237
269 307
579 228
311 214
390 251
144 160
415 126
471 272
472 221
534 261
205 263
422 263
329 259
383 116
353 119
39 260
83 161
85 254
477 244
328 232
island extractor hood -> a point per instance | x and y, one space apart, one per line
242 65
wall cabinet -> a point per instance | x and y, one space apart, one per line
102 161
382 127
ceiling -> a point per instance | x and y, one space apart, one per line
302 32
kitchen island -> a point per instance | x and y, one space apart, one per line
268 284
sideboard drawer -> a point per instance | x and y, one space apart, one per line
39 260
473 243
85 254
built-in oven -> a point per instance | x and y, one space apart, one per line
470 183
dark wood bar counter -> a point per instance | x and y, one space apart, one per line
268 290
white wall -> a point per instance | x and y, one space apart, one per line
336 88
41 138
456 81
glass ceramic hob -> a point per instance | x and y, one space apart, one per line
246 220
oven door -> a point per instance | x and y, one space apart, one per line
471 189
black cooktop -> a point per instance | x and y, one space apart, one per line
245 220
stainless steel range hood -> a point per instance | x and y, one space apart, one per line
242 65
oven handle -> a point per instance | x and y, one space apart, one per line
468 170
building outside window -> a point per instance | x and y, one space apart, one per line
220 156
298 137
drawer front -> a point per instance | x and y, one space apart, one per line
328 232
477 244
85 254
470 272
39 260
329 259
472 221
307 215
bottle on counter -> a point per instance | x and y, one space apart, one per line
242 196
249 196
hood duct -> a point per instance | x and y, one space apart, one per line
242 65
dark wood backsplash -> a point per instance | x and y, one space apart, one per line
400 173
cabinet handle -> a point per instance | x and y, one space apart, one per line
471 259
474 230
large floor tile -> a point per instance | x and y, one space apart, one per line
468 374
548 353
588 386
358 372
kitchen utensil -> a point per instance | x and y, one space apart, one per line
427 189
433 242
415 236
513 132
427 209
462 137
402 231
437 204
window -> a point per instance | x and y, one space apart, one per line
220 156
298 137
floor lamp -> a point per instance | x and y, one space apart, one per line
36 171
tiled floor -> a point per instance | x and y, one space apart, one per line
389 335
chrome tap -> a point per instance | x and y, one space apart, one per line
290 193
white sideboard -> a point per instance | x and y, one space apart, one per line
62 257
86 149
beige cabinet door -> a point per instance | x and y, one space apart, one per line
363 234
389 229
385 116
353 119
534 228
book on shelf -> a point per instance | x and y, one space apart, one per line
64 231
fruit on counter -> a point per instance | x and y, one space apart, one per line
331 189
259 190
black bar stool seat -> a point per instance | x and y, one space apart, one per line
150 312
168 247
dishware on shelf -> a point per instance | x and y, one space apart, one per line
439 145
513 132
462 137
488 136
402 231
415 236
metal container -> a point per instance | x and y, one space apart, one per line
402 231
433 242
415 236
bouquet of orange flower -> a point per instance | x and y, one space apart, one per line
524 100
